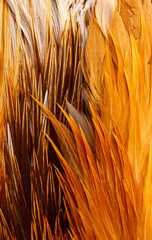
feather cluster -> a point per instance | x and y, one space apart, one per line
76 119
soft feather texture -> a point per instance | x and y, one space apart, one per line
93 74
108 186
32 204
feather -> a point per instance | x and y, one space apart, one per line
34 65
75 119
131 12
96 181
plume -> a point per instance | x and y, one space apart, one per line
107 184
47 68
76 124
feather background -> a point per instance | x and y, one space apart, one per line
76 74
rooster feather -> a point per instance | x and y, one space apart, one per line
76 119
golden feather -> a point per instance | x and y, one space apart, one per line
76 74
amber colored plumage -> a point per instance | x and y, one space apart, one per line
76 119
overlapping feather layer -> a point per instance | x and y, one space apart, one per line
101 135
